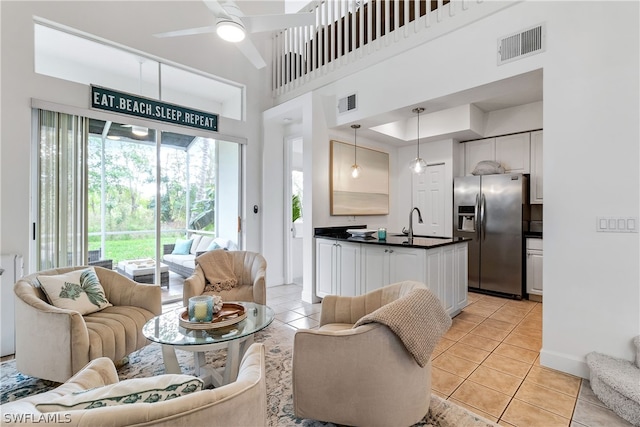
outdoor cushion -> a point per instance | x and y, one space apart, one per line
196 241
205 241
78 290
182 247
213 246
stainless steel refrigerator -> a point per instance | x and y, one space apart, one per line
493 210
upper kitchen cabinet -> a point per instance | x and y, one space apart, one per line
477 151
535 179
512 152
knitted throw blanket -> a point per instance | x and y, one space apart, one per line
218 270
417 318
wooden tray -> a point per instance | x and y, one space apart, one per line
229 314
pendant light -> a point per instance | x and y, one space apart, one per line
355 168
418 165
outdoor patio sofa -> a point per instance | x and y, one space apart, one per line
185 264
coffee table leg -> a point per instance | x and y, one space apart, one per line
207 373
170 360
233 362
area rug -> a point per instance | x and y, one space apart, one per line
278 340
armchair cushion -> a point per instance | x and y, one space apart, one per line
78 290
135 390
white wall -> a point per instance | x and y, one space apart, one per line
115 21
591 166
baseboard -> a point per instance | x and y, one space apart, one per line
564 363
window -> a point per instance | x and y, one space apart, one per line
100 185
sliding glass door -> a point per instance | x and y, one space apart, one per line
120 196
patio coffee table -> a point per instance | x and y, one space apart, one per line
143 271
166 330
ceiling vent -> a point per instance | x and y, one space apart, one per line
346 104
522 44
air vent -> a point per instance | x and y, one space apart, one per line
522 44
348 103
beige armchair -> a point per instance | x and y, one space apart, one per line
241 403
54 343
360 376
249 268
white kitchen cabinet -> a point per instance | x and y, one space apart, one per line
513 152
476 151
534 266
406 264
375 268
325 270
383 265
348 269
461 283
535 180
447 276
337 268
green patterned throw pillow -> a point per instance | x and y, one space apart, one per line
135 390
78 290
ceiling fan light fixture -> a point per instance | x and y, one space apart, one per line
230 30
139 130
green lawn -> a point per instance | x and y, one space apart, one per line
133 248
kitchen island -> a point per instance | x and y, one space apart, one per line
352 266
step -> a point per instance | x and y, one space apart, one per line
616 382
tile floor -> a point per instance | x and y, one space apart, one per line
487 362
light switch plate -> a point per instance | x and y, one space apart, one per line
617 224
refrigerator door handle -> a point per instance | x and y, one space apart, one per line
482 219
477 217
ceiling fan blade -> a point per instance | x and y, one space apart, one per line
260 23
187 32
216 8
249 50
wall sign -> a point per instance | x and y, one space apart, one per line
133 105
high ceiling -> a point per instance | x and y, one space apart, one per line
119 22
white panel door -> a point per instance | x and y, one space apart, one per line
429 196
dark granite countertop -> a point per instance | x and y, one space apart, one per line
393 239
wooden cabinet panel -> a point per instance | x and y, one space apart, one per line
513 153
476 151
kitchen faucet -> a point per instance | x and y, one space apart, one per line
411 222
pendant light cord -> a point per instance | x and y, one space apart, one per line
355 143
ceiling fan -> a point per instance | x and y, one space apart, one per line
233 25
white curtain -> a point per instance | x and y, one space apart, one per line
61 226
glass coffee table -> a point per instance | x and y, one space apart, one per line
166 330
